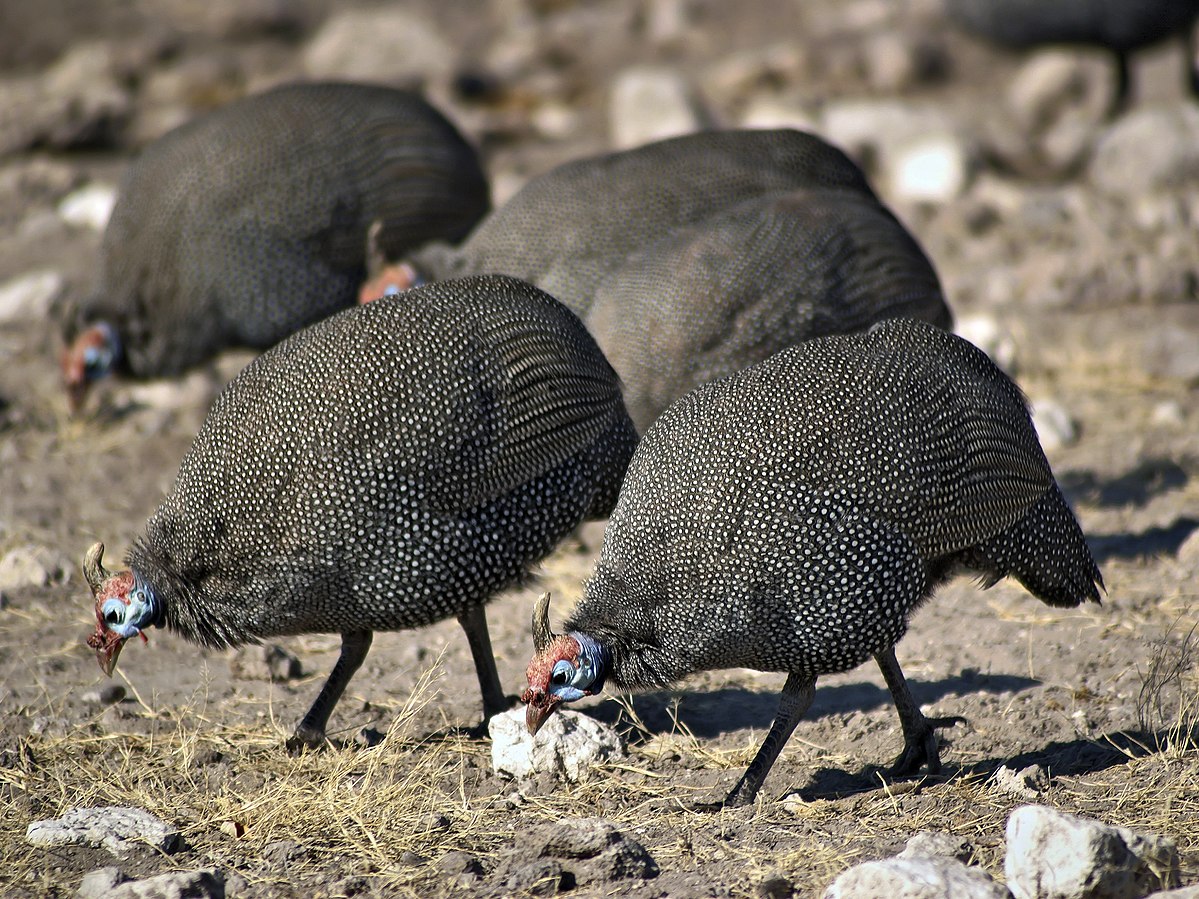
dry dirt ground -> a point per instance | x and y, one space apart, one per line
1104 698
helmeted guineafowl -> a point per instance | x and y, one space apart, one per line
694 257
790 518
387 467
249 222
1121 26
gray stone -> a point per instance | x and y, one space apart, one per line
457 863
775 885
1169 352
90 106
917 152
770 111
568 744
896 60
539 877
986 333
388 44
1055 426
650 103
30 566
1188 550
915 878
109 694
203 884
29 297
1168 413
1056 83
119 829
270 662
931 168
100 883
1052 855
936 844
89 206
1027 783
593 849
1191 892
1154 148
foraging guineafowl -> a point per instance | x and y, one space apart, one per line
390 466
694 257
790 518
1120 26
250 222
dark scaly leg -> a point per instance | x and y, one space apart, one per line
1123 84
796 698
1191 48
474 621
919 733
310 733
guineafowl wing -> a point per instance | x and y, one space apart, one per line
710 298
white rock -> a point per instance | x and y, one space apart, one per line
1168 413
892 60
919 152
1155 148
1052 855
668 21
1191 892
89 207
100 883
568 744
1027 783
28 297
986 333
1054 425
387 44
915 878
934 168
30 566
119 829
767 111
202 884
650 103
1060 81
936 844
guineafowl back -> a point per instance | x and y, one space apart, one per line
569 226
789 517
388 466
1119 25
708 299
250 222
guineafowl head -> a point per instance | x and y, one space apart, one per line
390 280
125 606
91 356
565 667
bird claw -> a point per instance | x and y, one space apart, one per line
305 738
920 748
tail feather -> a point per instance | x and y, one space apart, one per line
1047 553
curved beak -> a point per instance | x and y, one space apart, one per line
108 646
540 706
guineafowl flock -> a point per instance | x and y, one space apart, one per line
724 343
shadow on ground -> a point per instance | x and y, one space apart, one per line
715 712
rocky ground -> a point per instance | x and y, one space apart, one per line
1067 244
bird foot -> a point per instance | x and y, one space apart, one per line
920 747
305 738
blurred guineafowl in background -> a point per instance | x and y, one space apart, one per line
249 223
694 257
792 516
1121 26
385 468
